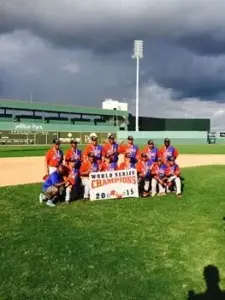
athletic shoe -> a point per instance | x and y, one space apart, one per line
41 198
50 203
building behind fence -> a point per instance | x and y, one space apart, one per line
39 123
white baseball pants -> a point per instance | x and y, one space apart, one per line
176 180
86 184
154 187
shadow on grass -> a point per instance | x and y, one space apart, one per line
213 291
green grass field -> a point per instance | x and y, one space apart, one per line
24 151
124 249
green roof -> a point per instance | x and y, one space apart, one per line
47 107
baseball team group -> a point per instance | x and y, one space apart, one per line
67 176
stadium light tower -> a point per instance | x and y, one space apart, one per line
137 54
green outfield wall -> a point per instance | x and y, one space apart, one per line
43 134
177 137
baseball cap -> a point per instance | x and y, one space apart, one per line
159 159
150 142
91 154
144 154
94 138
111 137
74 142
56 141
167 140
130 138
128 155
107 156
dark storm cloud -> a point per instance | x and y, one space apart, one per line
107 26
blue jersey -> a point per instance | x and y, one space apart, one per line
52 179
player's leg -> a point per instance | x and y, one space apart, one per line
51 194
68 193
178 186
154 187
86 184
162 190
170 183
146 187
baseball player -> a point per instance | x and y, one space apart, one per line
168 151
173 175
73 155
127 164
52 186
94 148
54 157
159 177
88 166
111 148
144 166
108 164
151 150
130 148
73 182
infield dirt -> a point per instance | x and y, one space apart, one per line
24 170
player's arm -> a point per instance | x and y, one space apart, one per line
175 153
178 172
67 156
62 157
84 170
47 160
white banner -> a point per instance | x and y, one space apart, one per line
113 185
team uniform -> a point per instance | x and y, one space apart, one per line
87 167
126 166
133 150
144 176
173 174
112 150
73 155
73 184
54 158
108 166
97 150
153 153
167 152
50 190
159 173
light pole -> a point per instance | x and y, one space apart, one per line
137 54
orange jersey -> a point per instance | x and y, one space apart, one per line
159 171
144 167
54 157
88 167
167 153
112 150
133 150
73 176
153 154
112 166
73 155
126 166
97 150
173 170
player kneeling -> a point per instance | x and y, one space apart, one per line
144 174
87 167
53 186
159 178
173 175
73 183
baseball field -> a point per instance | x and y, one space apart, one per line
126 249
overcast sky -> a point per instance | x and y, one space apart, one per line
79 52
